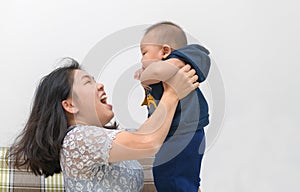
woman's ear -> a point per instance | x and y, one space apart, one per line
69 106
166 49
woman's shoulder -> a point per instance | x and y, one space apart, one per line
90 129
83 132
90 140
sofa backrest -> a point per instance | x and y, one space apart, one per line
17 180
21 180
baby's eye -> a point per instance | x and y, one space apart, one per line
143 53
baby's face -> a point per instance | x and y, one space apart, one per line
150 49
150 54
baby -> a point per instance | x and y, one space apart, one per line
177 165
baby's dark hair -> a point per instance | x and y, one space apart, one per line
169 33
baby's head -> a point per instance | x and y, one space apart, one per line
160 39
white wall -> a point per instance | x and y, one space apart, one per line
255 45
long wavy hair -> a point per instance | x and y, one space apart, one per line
38 146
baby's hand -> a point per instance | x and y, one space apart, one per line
137 74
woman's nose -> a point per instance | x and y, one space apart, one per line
100 86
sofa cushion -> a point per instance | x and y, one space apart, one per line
21 180
17 180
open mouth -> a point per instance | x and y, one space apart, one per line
103 99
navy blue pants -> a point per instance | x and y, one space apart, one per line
177 165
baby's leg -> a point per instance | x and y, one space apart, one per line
180 173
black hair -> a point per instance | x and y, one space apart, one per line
38 146
169 33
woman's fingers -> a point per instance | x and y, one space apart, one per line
183 82
186 68
191 72
196 84
194 78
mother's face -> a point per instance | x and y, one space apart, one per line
89 100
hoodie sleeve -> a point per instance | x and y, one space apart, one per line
195 55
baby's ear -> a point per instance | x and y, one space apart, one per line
69 106
166 50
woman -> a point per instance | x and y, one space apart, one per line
66 132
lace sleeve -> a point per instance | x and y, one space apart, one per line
85 146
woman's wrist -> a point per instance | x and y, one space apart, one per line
170 97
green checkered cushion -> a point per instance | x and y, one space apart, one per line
18 180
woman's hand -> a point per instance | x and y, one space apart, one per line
183 82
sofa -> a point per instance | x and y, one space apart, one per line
21 180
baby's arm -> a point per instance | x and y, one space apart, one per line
195 55
159 70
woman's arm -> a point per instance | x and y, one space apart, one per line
150 136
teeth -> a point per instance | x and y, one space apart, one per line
103 98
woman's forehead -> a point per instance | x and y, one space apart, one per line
79 74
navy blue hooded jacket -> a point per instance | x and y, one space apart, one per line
192 111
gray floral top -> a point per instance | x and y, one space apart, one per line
85 166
